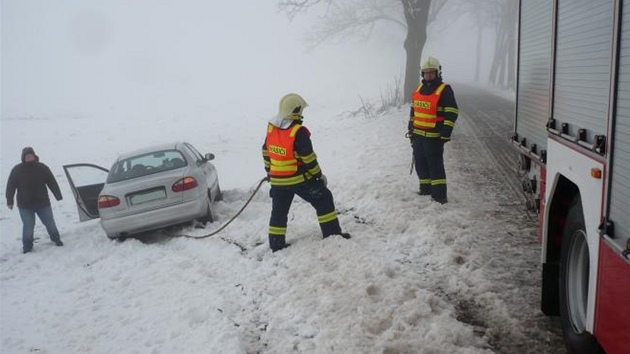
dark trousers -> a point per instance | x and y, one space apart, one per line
429 160
313 191
45 214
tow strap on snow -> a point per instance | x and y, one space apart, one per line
232 219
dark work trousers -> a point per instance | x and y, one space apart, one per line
429 160
313 191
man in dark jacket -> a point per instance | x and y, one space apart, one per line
30 179
292 168
432 119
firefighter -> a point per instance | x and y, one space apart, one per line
292 168
432 119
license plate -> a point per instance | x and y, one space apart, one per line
147 196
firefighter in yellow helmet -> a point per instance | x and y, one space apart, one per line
432 119
292 168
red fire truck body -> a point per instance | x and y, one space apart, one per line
572 130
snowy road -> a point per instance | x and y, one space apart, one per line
417 277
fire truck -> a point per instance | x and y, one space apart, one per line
572 131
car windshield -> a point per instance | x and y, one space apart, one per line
146 164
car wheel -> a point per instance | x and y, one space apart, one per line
574 284
209 217
218 196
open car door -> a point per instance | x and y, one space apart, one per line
86 181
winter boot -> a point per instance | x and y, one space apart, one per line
440 200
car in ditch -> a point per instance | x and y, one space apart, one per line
147 189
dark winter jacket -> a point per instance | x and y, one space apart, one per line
447 108
30 179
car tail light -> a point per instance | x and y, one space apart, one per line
184 184
107 201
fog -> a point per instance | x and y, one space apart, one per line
118 59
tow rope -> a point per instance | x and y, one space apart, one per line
232 219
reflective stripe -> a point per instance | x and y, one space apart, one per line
449 123
425 181
265 154
436 182
294 130
440 89
421 125
289 181
327 217
424 115
426 134
308 158
267 164
278 231
315 170
284 162
275 168
451 110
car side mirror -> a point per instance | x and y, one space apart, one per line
209 156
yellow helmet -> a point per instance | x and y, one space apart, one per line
291 106
431 63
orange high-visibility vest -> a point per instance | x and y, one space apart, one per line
425 107
280 150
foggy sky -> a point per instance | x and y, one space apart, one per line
120 58
111 58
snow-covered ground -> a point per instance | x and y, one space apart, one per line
416 277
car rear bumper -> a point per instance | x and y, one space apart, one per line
154 219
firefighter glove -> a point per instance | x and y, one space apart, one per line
409 135
324 179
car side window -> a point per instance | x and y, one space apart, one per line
195 153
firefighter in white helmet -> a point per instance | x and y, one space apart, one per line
292 168
432 119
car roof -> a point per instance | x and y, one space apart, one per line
148 149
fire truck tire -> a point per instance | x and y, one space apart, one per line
573 283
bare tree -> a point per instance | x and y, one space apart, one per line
360 17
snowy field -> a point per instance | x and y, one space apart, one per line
416 277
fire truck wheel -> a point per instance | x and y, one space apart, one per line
573 282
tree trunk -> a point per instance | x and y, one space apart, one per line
416 16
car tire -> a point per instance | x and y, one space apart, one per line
218 196
209 217
573 283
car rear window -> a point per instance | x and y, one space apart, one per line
146 164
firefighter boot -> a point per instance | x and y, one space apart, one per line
276 243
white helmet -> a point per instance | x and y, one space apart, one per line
431 63
291 106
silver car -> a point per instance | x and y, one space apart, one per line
147 189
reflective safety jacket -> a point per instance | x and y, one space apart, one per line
433 110
289 157
425 108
